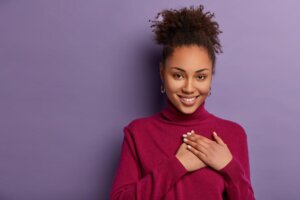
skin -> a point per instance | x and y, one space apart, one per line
181 78
213 153
188 72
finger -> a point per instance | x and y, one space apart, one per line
199 154
200 146
192 136
218 139
202 143
187 134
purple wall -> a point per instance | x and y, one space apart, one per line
74 73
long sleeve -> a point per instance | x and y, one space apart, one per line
237 175
128 183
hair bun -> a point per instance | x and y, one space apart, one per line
172 27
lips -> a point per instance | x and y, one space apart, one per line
188 101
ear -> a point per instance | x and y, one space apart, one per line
161 71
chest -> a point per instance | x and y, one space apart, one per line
157 144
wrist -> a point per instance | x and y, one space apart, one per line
224 164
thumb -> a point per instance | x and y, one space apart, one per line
218 139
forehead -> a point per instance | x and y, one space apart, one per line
189 58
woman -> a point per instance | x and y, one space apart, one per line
184 152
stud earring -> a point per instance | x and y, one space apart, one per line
209 93
162 89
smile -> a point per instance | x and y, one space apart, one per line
188 101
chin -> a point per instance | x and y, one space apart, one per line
187 111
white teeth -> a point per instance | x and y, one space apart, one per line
189 100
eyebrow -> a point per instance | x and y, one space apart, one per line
200 70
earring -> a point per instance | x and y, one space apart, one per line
162 89
209 92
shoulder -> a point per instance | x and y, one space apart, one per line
231 126
140 123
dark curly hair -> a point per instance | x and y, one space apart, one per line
187 26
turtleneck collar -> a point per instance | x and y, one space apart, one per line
172 114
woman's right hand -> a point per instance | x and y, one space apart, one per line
189 160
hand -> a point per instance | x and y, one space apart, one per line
189 160
213 153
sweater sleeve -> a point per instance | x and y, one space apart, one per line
128 183
237 175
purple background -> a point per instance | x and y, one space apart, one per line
74 73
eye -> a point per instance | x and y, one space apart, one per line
177 76
201 77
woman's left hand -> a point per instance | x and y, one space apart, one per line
213 153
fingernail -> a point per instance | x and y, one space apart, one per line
189 147
214 133
189 133
192 131
184 139
184 135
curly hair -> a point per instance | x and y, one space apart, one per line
187 26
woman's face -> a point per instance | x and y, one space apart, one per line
187 77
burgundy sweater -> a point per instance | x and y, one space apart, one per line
149 170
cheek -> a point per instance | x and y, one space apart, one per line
174 86
204 87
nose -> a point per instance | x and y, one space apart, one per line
188 86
